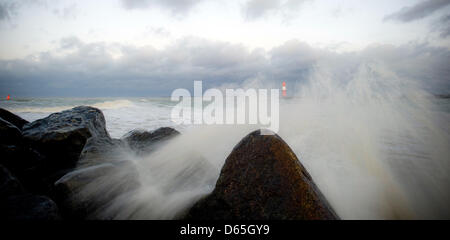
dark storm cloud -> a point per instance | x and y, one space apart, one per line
145 70
418 11
94 69
176 6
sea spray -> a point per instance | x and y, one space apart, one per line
375 143
174 176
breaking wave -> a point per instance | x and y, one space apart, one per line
115 104
376 145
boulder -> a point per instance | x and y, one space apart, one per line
61 136
28 207
262 179
18 156
143 141
9 134
16 203
12 118
25 163
9 185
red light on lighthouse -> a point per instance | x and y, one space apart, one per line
7 97
284 89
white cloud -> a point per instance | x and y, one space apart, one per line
418 11
175 6
255 9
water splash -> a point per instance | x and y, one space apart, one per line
376 145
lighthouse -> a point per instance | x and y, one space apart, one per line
284 89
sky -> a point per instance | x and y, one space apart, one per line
151 47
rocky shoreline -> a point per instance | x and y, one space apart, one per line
46 165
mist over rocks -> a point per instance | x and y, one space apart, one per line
98 150
262 179
77 201
105 172
73 169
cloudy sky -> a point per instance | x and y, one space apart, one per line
150 47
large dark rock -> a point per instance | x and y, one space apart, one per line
143 141
28 207
26 164
263 179
18 156
9 185
61 136
12 118
9 134
16 203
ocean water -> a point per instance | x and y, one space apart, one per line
122 114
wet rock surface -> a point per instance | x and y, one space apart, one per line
12 118
61 136
263 179
9 133
144 142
